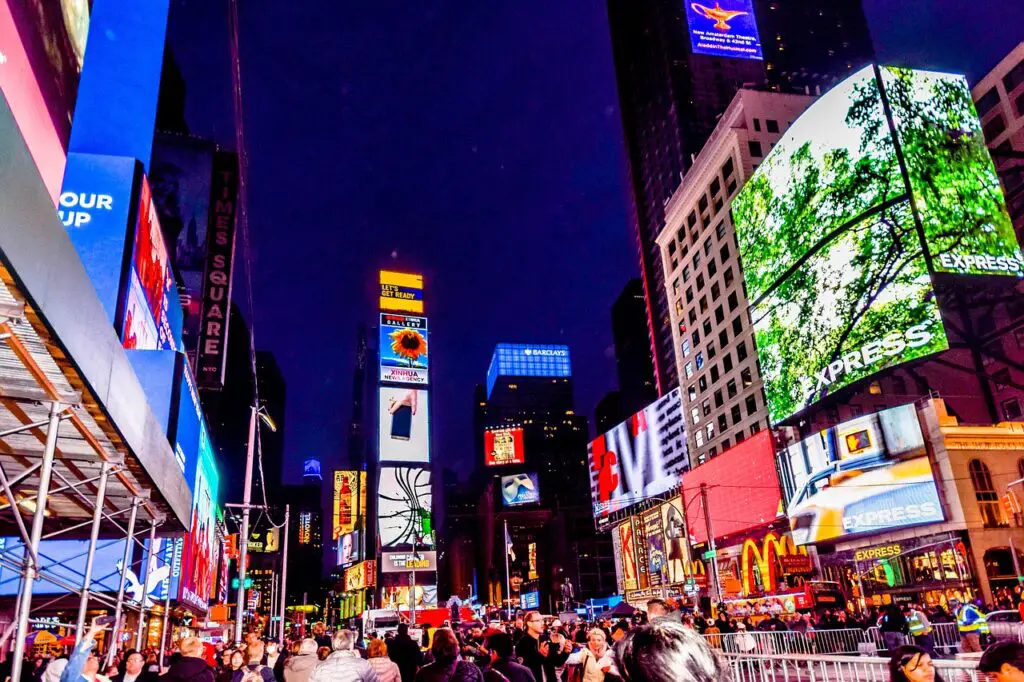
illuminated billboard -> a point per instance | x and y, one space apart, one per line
503 446
531 561
397 597
361 576
311 468
403 562
403 349
200 556
404 499
305 527
528 360
627 546
639 458
152 315
529 600
866 475
676 543
723 31
404 419
520 489
401 292
349 548
265 540
349 502
657 561
742 489
836 272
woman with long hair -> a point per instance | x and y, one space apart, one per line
910 663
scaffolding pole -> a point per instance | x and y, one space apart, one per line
31 558
125 561
147 567
94 533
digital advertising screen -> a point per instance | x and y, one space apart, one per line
529 600
189 425
657 563
65 559
397 597
348 548
349 502
200 557
503 446
311 468
726 28
401 292
640 458
403 349
403 507
528 360
520 489
676 542
531 561
627 545
403 562
742 489
404 420
863 476
361 576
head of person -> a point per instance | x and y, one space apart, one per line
133 664
54 670
237 659
323 652
909 663
225 657
656 608
92 666
377 649
256 650
343 640
954 604
445 647
307 647
666 651
500 646
619 631
597 642
319 629
403 629
534 623
1004 661
271 648
191 646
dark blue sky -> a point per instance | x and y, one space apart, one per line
478 143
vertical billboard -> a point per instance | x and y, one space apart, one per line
657 564
640 547
404 499
349 548
504 446
404 420
676 543
305 527
627 545
520 489
620 579
188 427
726 29
211 355
866 475
531 561
830 231
199 557
401 292
640 458
349 502
403 349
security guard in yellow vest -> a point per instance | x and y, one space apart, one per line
971 623
920 629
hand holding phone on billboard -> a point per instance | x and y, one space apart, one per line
402 411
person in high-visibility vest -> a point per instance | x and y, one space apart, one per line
971 623
920 629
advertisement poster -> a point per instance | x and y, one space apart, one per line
199 558
620 579
348 548
531 559
503 446
640 547
520 489
311 468
349 502
676 544
640 458
397 597
404 425
403 507
866 475
361 576
726 28
529 600
403 562
657 565
626 542
403 349
401 292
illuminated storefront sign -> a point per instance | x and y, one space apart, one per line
882 552
305 521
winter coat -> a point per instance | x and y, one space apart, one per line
298 668
460 671
188 669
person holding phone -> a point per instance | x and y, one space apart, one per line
82 659
538 652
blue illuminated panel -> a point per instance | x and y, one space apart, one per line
528 360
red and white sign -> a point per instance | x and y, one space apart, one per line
504 446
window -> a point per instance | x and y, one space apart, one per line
712 452
737 415
706 406
755 148
746 378
708 245
728 276
691 391
987 101
720 230
1015 77
723 423
716 186
1001 378
724 254
994 127
672 246
723 338
691 219
730 388
698 437
695 415
719 315
700 360
689 294
696 260
685 273
772 125
727 167
696 337
702 383
686 348
712 267
710 428
707 327
732 186
692 316
714 374
740 437
725 445
741 351
718 399
757 125
1011 411
688 368
702 203
751 405
727 363
985 493
711 350
718 204
1018 103
737 326
703 304
755 428
700 280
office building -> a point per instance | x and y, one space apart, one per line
713 342
671 99
633 349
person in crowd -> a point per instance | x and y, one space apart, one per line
255 653
190 666
79 664
911 663
1003 662
320 635
323 652
971 623
773 624
920 628
537 652
657 608
386 669
446 666
275 660
665 651
298 667
238 669
133 669
223 672
596 661
405 653
893 626
344 664
499 644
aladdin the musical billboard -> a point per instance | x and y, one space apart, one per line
723 28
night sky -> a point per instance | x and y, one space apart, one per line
477 143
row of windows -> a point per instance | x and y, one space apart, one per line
990 99
739 437
713 190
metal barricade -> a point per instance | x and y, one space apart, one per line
811 668
847 641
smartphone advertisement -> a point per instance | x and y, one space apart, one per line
404 425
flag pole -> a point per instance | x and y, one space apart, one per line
508 583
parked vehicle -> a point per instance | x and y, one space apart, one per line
1005 625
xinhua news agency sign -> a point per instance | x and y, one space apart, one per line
220 251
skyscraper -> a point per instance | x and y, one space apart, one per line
632 350
671 98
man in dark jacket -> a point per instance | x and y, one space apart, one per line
500 645
405 653
190 667
540 657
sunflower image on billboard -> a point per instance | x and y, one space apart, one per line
834 268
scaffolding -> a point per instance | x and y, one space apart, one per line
65 472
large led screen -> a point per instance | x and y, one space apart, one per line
349 502
404 425
833 260
403 349
403 507
199 560
676 543
520 489
401 292
725 28
866 475
503 446
640 458
627 546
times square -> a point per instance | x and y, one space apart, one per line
587 340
